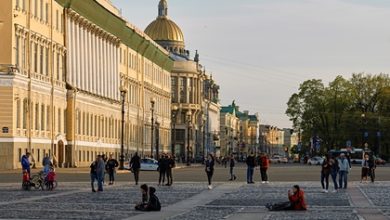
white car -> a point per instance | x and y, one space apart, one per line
278 159
315 160
147 164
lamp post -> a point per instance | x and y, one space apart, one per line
188 136
174 117
363 117
204 136
122 156
157 140
152 102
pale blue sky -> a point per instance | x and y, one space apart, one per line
259 51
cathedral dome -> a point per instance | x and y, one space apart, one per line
166 32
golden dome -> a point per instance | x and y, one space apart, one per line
163 29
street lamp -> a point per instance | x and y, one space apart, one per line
122 156
157 140
174 117
152 102
188 135
363 116
204 118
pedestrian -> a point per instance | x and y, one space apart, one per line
343 171
334 169
93 173
296 202
365 168
26 163
135 165
171 165
325 172
232 165
264 165
51 177
46 163
144 192
104 157
162 168
250 162
100 170
110 167
372 167
210 169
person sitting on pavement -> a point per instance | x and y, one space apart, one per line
296 202
153 203
144 191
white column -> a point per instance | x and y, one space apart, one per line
89 58
68 54
116 72
112 71
94 65
77 53
101 64
82 56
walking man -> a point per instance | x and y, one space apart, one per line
334 169
162 168
343 171
93 173
250 162
110 167
232 165
135 165
264 164
100 169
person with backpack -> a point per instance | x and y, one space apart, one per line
264 165
296 197
153 203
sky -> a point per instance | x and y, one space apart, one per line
260 51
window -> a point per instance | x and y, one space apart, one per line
17 48
48 118
23 53
62 22
25 109
23 5
174 89
59 120
58 66
41 7
20 154
37 116
36 8
65 121
41 60
57 20
47 13
35 57
39 155
43 117
18 113
47 61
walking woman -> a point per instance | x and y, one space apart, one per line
210 169
325 172
334 169
365 168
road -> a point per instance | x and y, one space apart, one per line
195 173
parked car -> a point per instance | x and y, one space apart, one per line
315 160
147 164
278 159
380 161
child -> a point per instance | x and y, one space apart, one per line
144 191
51 176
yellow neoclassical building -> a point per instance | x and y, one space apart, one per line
67 70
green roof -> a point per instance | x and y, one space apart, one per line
97 14
227 109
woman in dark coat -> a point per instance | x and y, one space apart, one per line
210 169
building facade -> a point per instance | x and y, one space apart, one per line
190 103
67 70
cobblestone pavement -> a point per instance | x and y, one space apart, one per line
228 201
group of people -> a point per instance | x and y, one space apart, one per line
48 170
263 162
99 167
165 165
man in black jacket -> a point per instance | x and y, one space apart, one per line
111 164
135 165
171 165
232 165
162 168
250 162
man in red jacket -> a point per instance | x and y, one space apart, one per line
264 164
296 198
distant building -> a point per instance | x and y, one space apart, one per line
195 95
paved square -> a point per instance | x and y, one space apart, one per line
194 201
